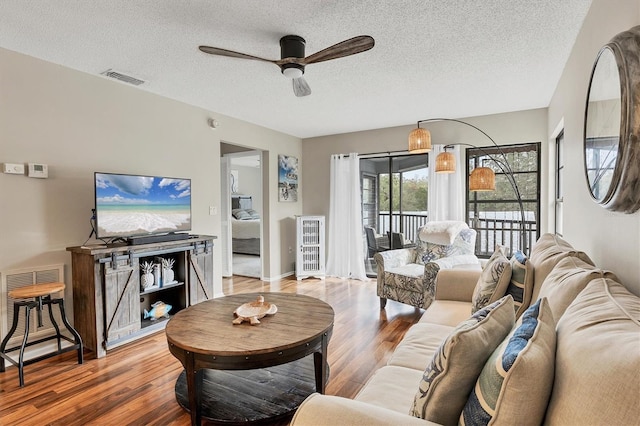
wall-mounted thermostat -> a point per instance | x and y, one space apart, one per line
36 170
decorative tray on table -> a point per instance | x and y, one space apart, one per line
253 311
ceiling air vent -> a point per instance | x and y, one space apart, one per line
122 77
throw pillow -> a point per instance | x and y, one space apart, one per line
456 365
493 281
515 383
253 214
464 243
441 232
521 285
240 214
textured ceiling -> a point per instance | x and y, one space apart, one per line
438 58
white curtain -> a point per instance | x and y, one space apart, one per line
446 190
345 258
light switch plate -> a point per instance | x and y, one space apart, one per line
13 168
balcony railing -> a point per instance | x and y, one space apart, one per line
506 232
491 231
407 223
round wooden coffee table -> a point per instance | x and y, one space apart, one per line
206 342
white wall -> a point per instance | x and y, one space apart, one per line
79 123
611 239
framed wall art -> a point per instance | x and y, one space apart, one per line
287 178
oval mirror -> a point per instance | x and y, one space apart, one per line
602 125
612 124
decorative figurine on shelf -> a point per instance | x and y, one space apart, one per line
253 311
157 274
167 265
146 280
158 310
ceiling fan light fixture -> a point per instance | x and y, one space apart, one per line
292 71
293 60
300 87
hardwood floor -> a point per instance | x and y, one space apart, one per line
134 384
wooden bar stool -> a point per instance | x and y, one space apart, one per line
41 294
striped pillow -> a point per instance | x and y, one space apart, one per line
515 383
521 285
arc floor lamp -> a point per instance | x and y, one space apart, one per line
481 178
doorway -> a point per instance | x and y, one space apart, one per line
242 210
394 202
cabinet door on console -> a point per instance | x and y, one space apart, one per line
122 299
200 277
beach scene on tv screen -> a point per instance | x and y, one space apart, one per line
136 205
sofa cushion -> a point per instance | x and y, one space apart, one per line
418 345
597 377
521 284
446 312
413 270
570 276
493 281
460 261
546 253
391 387
456 365
320 409
515 383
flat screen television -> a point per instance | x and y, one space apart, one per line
133 205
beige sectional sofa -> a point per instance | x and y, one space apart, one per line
591 373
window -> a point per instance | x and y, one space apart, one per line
559 183
496 215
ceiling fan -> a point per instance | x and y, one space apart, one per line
293 61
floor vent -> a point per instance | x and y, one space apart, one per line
20 278
122 77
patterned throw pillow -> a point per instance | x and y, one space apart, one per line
521 285
464 243
515 383
456 365
493 281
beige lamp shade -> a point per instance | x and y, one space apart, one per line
482 179
419 141
445 162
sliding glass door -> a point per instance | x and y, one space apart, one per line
394 198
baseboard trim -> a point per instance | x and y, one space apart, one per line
279 277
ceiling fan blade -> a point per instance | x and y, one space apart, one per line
300 87
344 48
232 54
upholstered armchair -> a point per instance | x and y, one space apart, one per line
408 275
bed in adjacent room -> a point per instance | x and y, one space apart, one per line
245 226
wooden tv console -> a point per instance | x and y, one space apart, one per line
108 301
